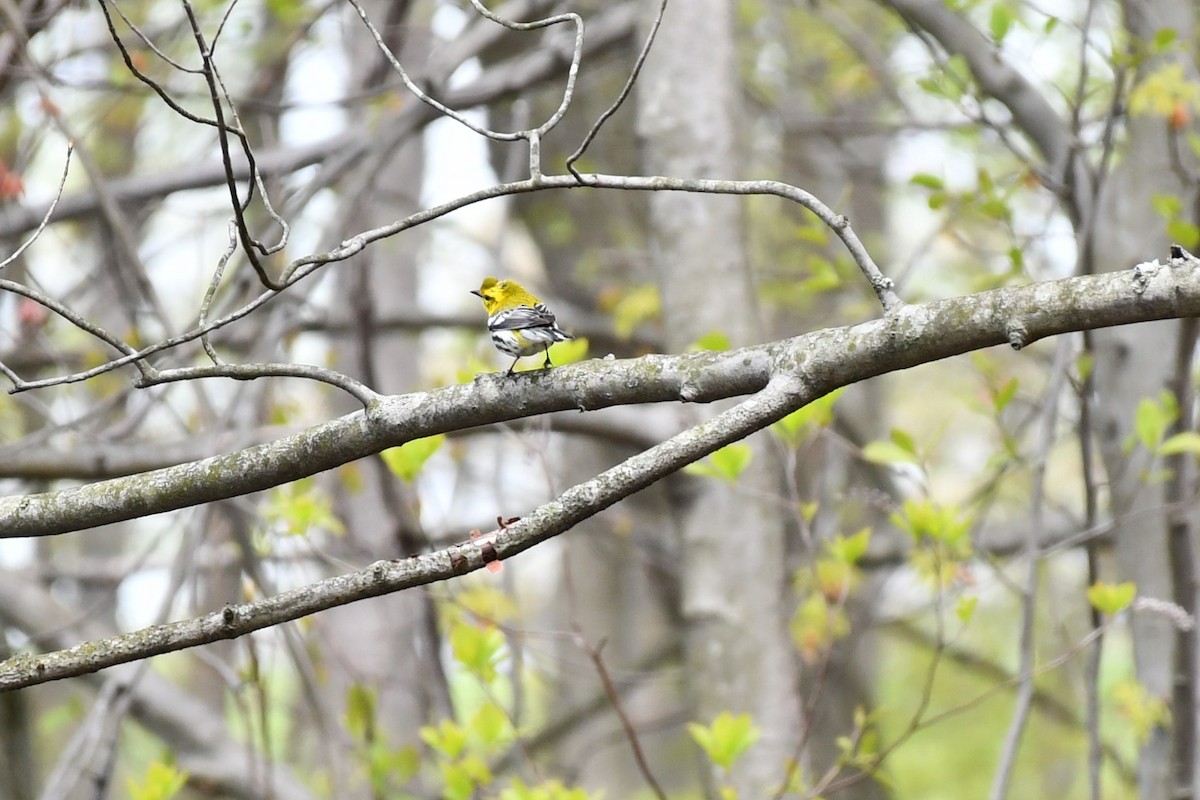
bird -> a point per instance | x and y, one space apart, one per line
520 324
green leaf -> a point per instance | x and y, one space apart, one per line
816 624
1000 21
361 705
1186 442
925 519
881 452
570 351
636 306
904 441
1152 418
1084 365
1163 39
796 427
477 648
849 549
1166 206
299 508
448 738
1005 395
928 181
1184 233
725 464
812 232
490 725
1111 599
949 81
727 738
1016 259
161 782
713 340
1163 91
900 448
964 609
406 461
1144 711
995 208
457 781
389 766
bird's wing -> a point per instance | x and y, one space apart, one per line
519 317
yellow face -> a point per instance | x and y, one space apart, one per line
503 294
492 292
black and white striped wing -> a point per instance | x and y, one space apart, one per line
522 317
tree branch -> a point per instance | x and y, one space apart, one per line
786 375
823 360
1000 80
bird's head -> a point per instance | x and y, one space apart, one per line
501 294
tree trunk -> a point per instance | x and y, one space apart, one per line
738 653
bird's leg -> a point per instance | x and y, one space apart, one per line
547 365
510 373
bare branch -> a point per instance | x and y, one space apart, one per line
625 90
441 108
508 77
75 319
251 372
778 398
1066 170
824 360
614 697
303 267
49 211
199 738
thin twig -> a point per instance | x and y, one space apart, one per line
633 76
211 292
223 130
614 697
462 119
69 315
146 40
62 182
250 372
1025 691
303 267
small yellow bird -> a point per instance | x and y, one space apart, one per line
520 324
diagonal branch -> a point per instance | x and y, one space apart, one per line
785 375
999 79
823 360
508 77
780 397
199 739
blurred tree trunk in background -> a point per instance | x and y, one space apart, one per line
618 576
821 101
1135 363
738 655
390 648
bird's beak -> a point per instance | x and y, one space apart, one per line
477 294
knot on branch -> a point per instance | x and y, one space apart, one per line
1142 274
1017 333
1182 258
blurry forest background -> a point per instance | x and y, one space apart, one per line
974 578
